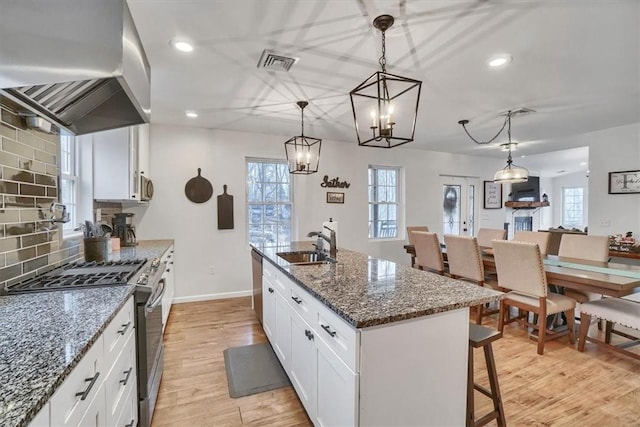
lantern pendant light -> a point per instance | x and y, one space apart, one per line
385 106
303 152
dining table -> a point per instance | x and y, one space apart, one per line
606 278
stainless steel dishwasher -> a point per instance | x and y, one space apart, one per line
256 267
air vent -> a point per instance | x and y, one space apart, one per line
270 60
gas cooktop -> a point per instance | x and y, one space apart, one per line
80 275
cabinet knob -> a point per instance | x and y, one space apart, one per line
270 290
308 334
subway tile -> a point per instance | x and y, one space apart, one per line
39 167
8 187
21 278
34 239
20 229
28 215
17 175
10 244
51 169
52 146
55 257
55 245
45 203
32 190
20 255
8 159
52 192
45 180
8 273
45 157
2 260
8 131
10 215
43 249
15 201
35 263
17 148
11 119
31 140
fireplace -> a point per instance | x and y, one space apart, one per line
523 223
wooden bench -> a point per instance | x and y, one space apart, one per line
623 312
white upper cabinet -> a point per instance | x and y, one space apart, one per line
120 158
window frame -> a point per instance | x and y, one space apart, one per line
248 203
399 188
564 207
69 228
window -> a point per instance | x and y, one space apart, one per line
384 190
573 207
69 178
269 202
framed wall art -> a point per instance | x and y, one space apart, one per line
335 197
492 195
625 182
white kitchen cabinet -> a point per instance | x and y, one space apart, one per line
118 158
302 367
282 340
169 283
103 385
42 417
268 308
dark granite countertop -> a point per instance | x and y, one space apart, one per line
367 291
44 335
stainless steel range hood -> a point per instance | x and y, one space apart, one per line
78 63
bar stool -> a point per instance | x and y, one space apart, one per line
480 336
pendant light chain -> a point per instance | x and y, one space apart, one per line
509 160
383 59
302 114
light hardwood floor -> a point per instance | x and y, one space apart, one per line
561 388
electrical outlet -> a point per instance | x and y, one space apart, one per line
212 269
605 223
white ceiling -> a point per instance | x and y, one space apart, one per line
576 62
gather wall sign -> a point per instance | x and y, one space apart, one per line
334 183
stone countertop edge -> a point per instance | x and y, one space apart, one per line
365 302
21 415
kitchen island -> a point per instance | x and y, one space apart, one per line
45 335
366 341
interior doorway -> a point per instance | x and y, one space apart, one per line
459 204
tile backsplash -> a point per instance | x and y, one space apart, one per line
29 243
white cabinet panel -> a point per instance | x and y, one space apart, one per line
268 308
302 369
120 381
95 414
337 390
42 417
169 280
282 331
118 331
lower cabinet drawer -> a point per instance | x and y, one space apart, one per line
128 416
116 333
303 303
339 336
121 380
94 415
73 397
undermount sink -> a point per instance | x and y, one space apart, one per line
305 257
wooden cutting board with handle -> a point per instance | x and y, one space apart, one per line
198 189
225 210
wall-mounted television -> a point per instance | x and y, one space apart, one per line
526 191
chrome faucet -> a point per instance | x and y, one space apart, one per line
333 249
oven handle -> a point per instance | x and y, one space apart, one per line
152 305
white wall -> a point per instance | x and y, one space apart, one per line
177 152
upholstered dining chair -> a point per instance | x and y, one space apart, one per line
520 269
411 229
542 239
486 235
465 262
590 248
428 252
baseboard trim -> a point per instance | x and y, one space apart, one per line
207 297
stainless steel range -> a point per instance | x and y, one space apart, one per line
147 276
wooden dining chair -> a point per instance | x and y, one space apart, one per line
411 229
486 235
542 239
520 269
590 248
428 252
465 262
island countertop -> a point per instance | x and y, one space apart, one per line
368 291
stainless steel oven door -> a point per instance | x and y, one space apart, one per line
150 353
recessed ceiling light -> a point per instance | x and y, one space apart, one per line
191 114
181 45
505 147
583 163
500 60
